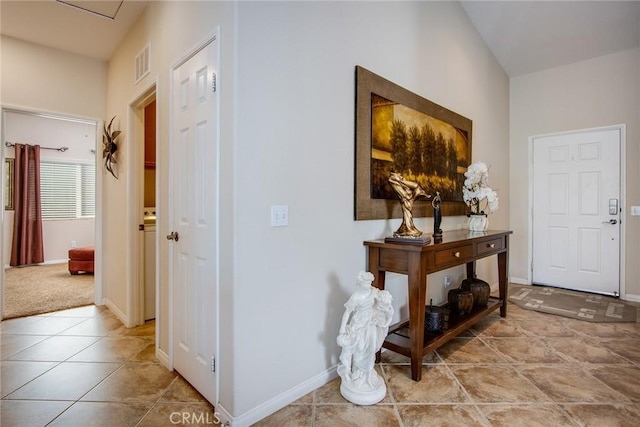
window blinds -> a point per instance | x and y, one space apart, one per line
67 190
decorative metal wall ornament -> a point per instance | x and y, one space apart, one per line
110 150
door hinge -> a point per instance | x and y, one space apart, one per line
213 364
213 82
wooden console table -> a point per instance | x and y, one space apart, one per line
417 261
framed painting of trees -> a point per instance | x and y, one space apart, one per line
399 131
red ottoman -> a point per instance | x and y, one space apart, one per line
81 260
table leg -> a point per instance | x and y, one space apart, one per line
378 279
374 262
502 282
471 270
417 279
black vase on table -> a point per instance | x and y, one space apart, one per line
460 301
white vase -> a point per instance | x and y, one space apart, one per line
478 222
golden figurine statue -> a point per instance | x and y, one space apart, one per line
408 192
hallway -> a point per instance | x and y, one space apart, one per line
81 367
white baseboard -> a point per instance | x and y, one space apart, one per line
221 413
115 310
163 358
495 287
280 401
56 261
50 262
631 297
519 281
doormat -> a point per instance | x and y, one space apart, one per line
574 304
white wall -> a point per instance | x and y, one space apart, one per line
287 137
598 92
50 80
295 146
287 93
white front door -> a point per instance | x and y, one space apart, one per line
194 148
576 211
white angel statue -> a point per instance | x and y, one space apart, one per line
364 326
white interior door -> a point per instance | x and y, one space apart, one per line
194 147
576 211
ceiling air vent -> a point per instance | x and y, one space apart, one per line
142 64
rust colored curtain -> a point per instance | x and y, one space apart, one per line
28 245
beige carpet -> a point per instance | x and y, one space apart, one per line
45 288
577 305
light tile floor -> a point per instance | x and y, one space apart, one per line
528 369
82 367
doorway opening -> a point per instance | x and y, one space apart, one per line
149 208
143 243
70 218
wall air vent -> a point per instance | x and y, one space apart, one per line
142 64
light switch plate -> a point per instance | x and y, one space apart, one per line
635 210
279 216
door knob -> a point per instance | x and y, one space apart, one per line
611 221
173 236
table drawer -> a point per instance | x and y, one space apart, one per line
393 260
489 246
447 256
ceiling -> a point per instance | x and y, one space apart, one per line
530 36
70 28
525 36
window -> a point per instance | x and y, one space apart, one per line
67 190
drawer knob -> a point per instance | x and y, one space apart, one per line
491 245
456 254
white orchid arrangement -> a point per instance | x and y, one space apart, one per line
476 189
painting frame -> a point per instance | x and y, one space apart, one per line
365 206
